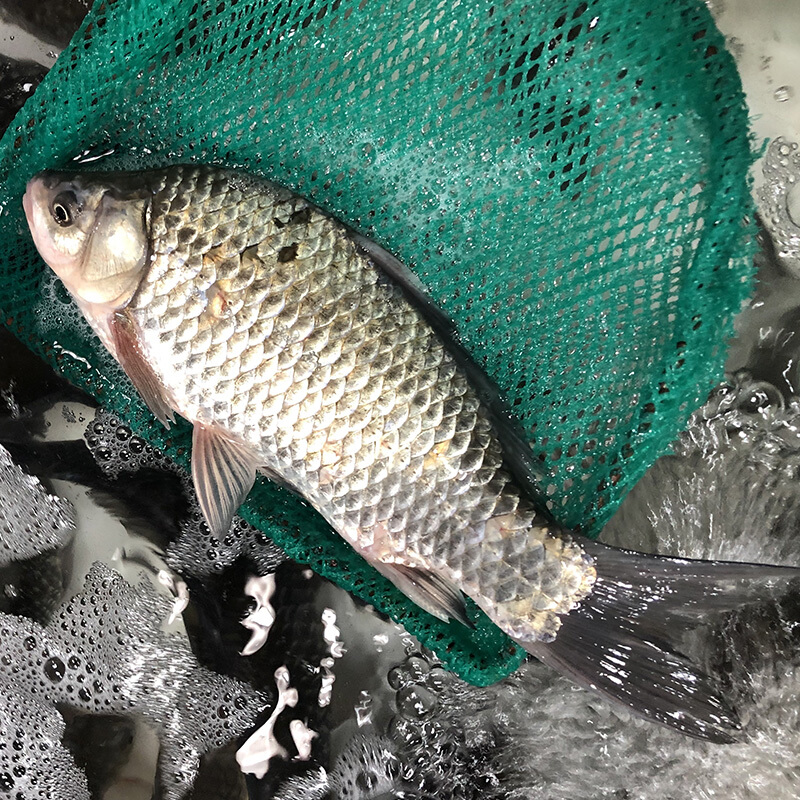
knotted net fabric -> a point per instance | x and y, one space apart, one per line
568 178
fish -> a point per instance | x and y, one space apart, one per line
302 350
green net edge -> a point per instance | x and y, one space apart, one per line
398 605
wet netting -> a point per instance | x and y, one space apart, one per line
567 177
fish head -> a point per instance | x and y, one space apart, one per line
92 231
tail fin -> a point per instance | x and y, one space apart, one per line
623 641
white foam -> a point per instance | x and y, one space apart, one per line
261 619
254 755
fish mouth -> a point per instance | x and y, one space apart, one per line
33 201
35 204
27 201
36 194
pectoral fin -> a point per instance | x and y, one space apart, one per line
428 590
128 350
223 471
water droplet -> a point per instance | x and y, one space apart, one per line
29 643
416 702
783 93
437 680
398 677
416 667
366 781
54 669
136 445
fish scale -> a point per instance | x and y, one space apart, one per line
409 452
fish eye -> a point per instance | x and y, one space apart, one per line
65 208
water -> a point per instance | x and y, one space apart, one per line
175 652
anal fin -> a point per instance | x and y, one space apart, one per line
223 471
128 351
429 591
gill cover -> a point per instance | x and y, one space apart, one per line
92 237
116 252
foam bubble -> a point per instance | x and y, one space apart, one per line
104 652
778 201
34 764
31 520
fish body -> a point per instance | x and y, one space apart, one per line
300 349
264 321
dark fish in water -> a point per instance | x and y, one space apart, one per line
300 349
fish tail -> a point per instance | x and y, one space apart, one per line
625 639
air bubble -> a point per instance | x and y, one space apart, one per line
416 702
398 677
783 93
793 203
114 681
438 679
779 201
31 520
54 669
136 445
416 667
759 397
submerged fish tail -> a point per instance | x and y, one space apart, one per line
624 640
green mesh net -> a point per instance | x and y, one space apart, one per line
567 177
